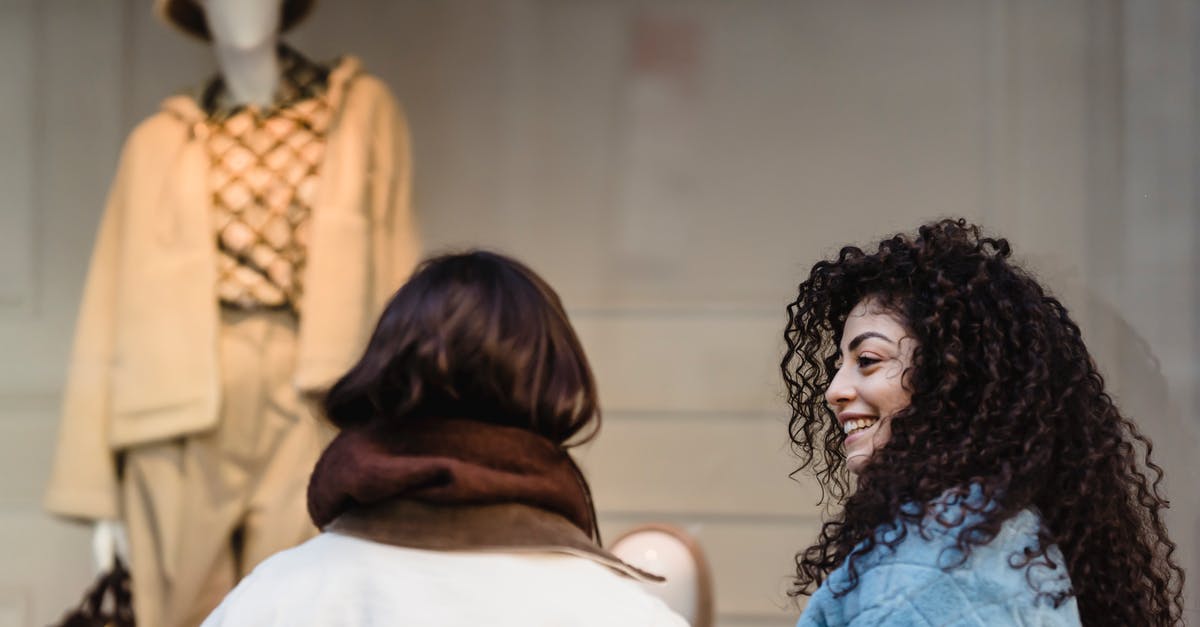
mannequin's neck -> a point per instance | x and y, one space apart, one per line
251 74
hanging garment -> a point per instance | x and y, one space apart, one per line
202 511
144 367
242 260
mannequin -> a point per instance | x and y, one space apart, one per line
251 236
245 35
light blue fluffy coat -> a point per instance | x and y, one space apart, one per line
908 585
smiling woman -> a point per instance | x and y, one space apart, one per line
869 386
994 480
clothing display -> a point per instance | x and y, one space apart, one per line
263 177
920 583
446 522
241 262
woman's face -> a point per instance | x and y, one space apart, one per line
869 386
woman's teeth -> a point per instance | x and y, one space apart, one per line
858 424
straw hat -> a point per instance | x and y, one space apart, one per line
188 15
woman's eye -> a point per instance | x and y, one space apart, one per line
864 361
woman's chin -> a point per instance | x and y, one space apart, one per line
857 461
861 445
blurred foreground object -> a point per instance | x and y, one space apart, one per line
670 551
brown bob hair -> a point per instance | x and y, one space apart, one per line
474 335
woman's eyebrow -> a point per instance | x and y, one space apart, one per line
863 336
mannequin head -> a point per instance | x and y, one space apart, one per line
190 17
242 24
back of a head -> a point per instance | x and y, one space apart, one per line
475 335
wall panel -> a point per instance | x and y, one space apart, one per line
679 464
18 26
67 157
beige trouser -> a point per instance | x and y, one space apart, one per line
203 510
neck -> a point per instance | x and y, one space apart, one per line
251 74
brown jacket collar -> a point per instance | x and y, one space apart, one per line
503 527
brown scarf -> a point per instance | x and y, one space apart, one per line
450 485
448 462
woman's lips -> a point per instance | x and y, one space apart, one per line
859 434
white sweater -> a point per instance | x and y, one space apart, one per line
338 580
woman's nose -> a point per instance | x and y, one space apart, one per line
839 391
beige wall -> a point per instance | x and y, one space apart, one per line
674 205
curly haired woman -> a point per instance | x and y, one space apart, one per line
994 480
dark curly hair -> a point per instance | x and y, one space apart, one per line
1004 397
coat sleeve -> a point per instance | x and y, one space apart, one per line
83 478
396 246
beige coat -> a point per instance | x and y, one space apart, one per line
144 364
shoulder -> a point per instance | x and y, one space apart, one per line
369 86
924 575
340 580
164 127
356 88
302 579
366 101
566 589
994 570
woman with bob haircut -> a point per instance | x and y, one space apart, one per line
449 497
994 482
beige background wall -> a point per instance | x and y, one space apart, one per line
674 198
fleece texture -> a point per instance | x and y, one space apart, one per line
921 582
